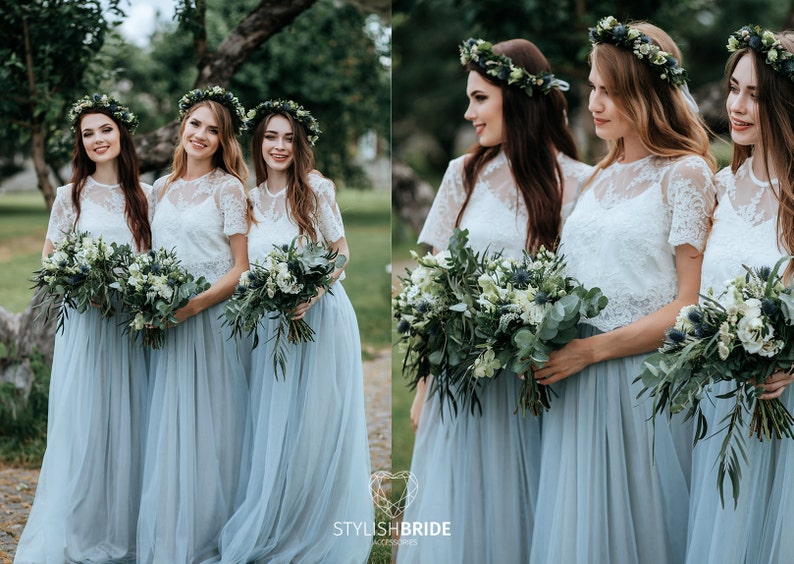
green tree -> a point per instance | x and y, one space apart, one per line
46 52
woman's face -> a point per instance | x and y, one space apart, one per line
742 103
277 148
485 110
100 137
609 123
201 137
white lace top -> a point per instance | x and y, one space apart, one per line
275 226
622 234
196 218
102 212
496 215
744 230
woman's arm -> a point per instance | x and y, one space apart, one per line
644 335
225 285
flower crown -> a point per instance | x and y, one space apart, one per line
610 30
481 53
216 94
103 102
763 41
298 113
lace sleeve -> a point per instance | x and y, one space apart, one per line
329 218
691 197
443 213
233 204
62 216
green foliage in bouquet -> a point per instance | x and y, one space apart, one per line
286 277
435 318
740 336
81 271
527 308
153 286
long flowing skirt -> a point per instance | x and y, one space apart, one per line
307 498
86 503
477 477
613 489
194 441
757 529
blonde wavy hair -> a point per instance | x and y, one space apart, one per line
666 125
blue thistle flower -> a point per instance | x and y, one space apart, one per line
764 273
541 298
521 278
619 31
769 307
675 336
84 268
156 268
695 315
423 306
403 327
755 43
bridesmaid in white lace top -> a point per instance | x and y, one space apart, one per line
479 472
86 504
609 493
753 226
198 380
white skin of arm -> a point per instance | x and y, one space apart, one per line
341 247
224 286
644 335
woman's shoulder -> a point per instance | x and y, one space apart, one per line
320 184
693 163
574 168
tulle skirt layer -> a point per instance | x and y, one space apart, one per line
477 477
612 488
758 528
307 449
86 504
194 441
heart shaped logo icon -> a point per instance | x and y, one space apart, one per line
380 485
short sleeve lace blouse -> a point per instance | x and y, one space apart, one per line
197 217
102 212
622 234
496 216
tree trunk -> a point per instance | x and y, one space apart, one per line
264 21
411 196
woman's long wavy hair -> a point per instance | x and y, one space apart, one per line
301 199
535 128
666 126
228 157
775 97
136 206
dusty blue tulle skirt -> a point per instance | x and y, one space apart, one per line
478 473
307 451
86 504
194 441
604 496
758 528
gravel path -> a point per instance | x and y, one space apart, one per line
18 485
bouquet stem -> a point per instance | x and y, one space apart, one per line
771 419
533 396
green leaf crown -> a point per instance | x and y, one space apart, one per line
664 64
298 113
103 102
501 67
216 94
763 42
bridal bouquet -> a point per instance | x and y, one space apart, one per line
434 312
81 270
526 308
286 277
153 286
741 336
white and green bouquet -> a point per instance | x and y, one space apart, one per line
741 336
435 312
528 307
81 270
274 286
153 286
465 318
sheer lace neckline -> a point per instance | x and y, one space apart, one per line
97 183
754 178
276 194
